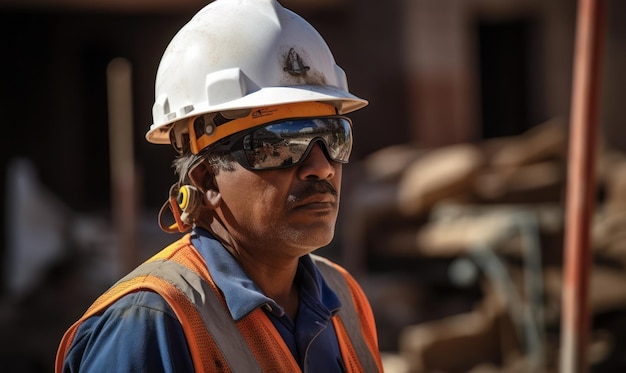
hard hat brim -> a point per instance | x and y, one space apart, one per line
344 102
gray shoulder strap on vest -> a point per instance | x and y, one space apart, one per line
218 322
347 313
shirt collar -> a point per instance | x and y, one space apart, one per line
243 296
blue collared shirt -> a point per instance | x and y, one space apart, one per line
140 332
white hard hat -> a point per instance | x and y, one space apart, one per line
243 54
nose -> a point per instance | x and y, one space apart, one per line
317 165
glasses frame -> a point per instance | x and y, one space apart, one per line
235 144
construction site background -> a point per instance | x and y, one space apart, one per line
452 214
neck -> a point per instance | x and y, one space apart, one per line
278 285
273 275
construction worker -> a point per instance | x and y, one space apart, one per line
251 98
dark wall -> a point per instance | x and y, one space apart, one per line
54 96
511 80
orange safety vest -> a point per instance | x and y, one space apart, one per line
219 344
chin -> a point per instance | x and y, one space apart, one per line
320 241
309 236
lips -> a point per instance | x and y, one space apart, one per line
318 200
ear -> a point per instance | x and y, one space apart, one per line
203 178
213 198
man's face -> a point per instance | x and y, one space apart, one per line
290 211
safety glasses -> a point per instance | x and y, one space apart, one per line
287 143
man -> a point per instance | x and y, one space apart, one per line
250 96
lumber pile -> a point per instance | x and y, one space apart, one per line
497 203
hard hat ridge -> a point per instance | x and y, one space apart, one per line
242 54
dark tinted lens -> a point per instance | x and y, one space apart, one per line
286 143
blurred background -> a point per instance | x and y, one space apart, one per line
453 203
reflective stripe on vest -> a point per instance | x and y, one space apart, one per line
347 313
218 322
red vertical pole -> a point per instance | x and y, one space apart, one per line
581 185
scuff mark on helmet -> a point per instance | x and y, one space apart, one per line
294 64
296 69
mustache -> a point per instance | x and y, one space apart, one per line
311 188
